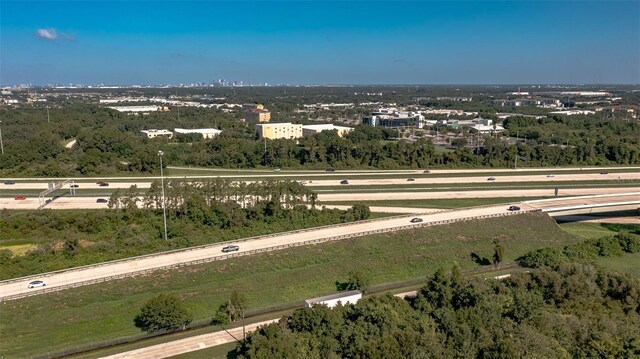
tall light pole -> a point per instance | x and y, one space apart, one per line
1 144
164 201
48 115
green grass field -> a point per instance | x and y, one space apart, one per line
53 322
626 263
587 230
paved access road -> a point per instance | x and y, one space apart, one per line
181 346
199 342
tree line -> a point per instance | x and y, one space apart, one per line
108 142
199 213
572 310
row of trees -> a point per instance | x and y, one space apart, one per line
108 142
198 213
569 311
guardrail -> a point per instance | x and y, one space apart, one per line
255 251
203 246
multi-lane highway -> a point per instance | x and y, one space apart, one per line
78 202
401 180
111 270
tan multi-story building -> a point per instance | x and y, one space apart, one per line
257 114
274 131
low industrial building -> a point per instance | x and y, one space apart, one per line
308 130
274 131
135 109
207 133
156 133
572 112
481 125
540 102
350 297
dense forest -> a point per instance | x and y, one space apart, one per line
571 310
108 142
198 213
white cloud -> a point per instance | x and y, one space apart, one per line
48 34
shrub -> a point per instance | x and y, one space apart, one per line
163 313
544 257
628 242
608 247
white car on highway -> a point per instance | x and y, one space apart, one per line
37 284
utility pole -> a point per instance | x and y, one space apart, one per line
265 151
515 166
48 115
164 201
244 333
1 144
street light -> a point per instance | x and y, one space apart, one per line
1 144
164 202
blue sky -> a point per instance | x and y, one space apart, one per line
313 42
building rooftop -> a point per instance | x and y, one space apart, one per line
276 124
333 296
325 126
197 130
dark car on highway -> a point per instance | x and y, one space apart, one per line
410 179
9 182
102 200
416 220
344 182
231 248
330 170
491 179
513 208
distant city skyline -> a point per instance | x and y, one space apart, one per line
319 43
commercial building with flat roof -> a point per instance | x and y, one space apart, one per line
205 132
156 133
349 297
308 130
135 109
274 131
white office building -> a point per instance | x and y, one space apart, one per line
308 130
350 297
156 133
207 133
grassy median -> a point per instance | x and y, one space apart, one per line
74 317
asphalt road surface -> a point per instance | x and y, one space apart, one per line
546 178
75 202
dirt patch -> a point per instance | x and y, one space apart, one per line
20 249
